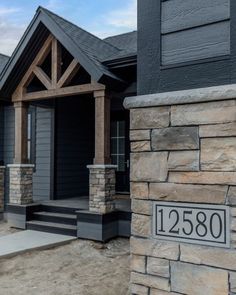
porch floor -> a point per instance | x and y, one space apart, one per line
122 203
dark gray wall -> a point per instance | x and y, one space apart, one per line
185 44
74 146
43 178
9 144
1 132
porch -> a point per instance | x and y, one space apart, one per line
82 161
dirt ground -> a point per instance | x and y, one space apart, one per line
79 268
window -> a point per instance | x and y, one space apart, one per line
31 142
118 144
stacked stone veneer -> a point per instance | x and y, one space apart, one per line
183 150
21 184
2 171
102 182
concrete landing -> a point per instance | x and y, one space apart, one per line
29 240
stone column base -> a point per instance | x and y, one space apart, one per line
102 182
21 184
2 172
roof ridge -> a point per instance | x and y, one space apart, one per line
68 21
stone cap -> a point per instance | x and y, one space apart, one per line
102 166
20 165
182 97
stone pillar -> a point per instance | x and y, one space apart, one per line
190 163
2 171
21 184
101 188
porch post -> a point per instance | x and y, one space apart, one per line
21 172
102 173
102 128
21 112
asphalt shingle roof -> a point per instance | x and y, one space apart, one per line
127 43
97 49
3 61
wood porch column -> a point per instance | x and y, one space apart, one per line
21 118
102 128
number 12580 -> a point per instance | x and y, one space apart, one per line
193 223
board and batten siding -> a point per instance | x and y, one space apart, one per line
74 146
193 30
42 178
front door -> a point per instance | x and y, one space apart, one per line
120 149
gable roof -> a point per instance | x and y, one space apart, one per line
87 49
3 61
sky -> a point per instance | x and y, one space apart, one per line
101 17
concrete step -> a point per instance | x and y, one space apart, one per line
55 217
52 227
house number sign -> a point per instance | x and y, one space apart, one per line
192 223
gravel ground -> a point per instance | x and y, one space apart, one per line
79 268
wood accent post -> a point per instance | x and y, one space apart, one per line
102 128
21 118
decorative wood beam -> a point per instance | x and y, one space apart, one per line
66 91
102 128
37 61
43 77
21 115
56 62
69 74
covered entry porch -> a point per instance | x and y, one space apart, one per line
82 165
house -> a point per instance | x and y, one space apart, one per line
64 133
187 105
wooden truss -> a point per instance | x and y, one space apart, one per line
57 84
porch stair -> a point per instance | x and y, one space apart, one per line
54 219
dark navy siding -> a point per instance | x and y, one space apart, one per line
42 179
9 144
74 146
185 44
1 132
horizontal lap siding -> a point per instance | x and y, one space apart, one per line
74 146
194 30
1 132
9 144
181 14
198 43
44 133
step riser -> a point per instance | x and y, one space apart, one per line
48 229
56 209
56 219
